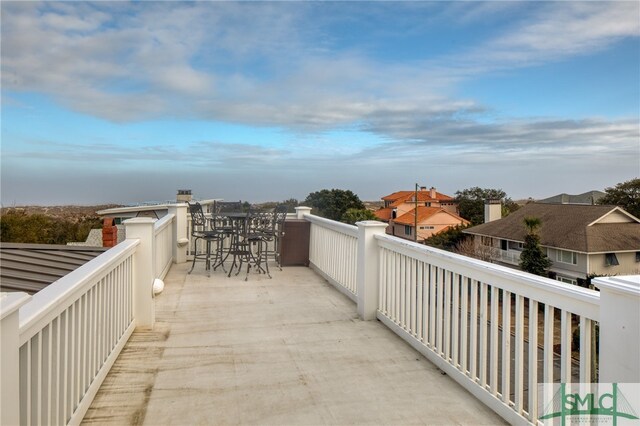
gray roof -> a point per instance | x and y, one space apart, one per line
32 267
566 226
590 197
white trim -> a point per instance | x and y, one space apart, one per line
613 210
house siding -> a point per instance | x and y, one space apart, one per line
627 266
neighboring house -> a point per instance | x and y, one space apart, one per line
580 240
588 198
437 212
401 202
431 220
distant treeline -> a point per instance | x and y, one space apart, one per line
21 227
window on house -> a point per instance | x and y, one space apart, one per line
514 245
504 244
486 241
566 256
407 230
567 280
638 256
427 227
610 259
427 204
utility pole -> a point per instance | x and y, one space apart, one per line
415 216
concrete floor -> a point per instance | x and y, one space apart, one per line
285 351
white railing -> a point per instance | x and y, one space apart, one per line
333 249
510 256
497 331
58 347
473 318
70 335
163 245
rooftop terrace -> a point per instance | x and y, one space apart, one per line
290 350
305 346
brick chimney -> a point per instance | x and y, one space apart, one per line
492 210
184 196
109 232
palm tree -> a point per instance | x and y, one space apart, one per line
532 258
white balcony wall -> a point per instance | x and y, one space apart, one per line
333 250
70 333
456 311
163 245
497 331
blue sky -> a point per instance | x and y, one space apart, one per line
126 102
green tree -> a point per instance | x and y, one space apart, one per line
352 216
471 203
532 258
20 227
448 239
333 203
625 195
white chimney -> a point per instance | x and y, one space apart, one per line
184 196
492 210
432 192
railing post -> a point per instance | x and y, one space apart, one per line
179 225
367 268
619 329
10 356
141 228
301 211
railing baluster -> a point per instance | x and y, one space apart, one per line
455 285
414 295
419 300
439 311
506 347
565 346
585 350
473 350
483 335
519 355
39 396
447 315
533 360
464 331
493 348
433 275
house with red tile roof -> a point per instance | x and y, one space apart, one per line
436 212
431 220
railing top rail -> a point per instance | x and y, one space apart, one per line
162 223
343 228
49 302
578 300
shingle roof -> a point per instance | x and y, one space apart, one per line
424 213
566 226
32 267
590 197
